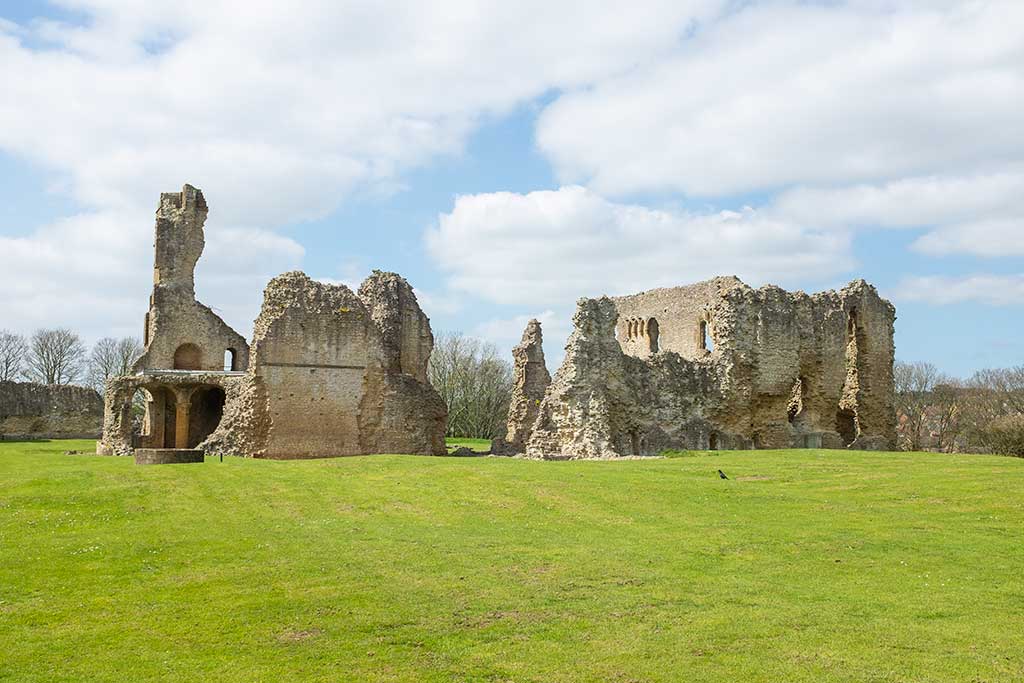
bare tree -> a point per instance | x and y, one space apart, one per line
992 407
947 412
475 383
12 355
55 357
914 383
1005 387
111 358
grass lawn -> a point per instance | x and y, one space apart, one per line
805 566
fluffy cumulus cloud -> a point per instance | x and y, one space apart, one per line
838 117
783 93
828 117
281 110
980 214
553 245
90 272
994 290
278 112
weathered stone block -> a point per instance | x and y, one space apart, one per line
167 456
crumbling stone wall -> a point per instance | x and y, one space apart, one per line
605 403
530 381
721 365
404 328
180 332
330 373
323 381
29 410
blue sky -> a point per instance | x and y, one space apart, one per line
509 159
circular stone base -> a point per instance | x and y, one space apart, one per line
166 456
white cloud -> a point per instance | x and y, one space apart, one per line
908 202
553 246
984 237
90 273
993 290
507 332
276 111
786 92
980 215
870 113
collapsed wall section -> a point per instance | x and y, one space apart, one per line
404 328
315 353
722 365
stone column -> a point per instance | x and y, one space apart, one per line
182 403
156 410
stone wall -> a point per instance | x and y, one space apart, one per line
30 410
722 365
404 328
325 381
179 332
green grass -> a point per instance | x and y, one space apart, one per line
479 445
806 566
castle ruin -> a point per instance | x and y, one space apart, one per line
715 365
329 371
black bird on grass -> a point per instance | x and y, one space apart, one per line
721 475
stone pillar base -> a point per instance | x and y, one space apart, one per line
166 456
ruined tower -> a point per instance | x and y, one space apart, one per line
180 333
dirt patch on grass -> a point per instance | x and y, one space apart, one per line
296 636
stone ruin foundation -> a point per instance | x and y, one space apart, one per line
714 365
329 371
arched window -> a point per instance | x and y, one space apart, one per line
706 342
230 363
188 357
652 334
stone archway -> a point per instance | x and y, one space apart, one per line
652 335
206 408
